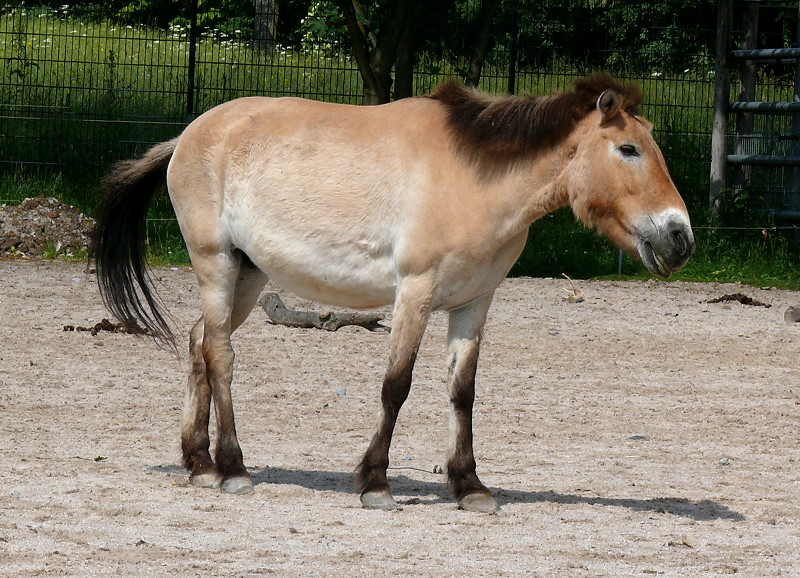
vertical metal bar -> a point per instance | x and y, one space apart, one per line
192 64
722 90
513 49
794 203
745 124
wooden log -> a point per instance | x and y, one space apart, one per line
279 314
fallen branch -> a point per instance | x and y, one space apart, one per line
280 314
574 296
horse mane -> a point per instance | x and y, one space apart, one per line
496 131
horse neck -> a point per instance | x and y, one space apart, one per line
537 187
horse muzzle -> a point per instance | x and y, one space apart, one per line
666 242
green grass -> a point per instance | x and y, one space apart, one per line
748 257
78 95
557 244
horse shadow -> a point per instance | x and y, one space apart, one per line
408 490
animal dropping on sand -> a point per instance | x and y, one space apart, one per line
424 203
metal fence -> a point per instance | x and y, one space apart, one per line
80 88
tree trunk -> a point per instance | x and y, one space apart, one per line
363 43
486 18
404 64
265 25
375 54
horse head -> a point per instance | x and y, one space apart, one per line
617 181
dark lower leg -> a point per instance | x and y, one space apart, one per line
371 472
195 441
410 316
461 461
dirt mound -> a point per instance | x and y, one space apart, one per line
44 226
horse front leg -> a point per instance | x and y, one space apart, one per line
409 319
463 338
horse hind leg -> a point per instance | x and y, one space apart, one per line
209 378
195 442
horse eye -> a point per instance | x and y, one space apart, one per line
628 150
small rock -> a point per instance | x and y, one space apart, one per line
725 461
792 314
341 392
411 502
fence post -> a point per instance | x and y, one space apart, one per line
795 188
192 63
745 123
513 49
722 95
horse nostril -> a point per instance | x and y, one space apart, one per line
680 241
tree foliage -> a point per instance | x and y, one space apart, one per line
634 35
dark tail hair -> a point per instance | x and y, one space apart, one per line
119 242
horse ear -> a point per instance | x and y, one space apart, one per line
608 105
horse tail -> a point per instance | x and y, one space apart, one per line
119 242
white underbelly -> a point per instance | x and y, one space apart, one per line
358 274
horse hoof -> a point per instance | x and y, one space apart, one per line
209 480
237 485
378 500
483 503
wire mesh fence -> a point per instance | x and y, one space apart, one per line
82 86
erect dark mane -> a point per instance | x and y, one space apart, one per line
500 130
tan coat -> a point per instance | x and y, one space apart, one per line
424 203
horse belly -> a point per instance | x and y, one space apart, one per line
358 273
350 283
319 225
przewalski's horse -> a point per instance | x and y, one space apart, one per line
424 203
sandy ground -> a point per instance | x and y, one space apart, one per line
641 432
